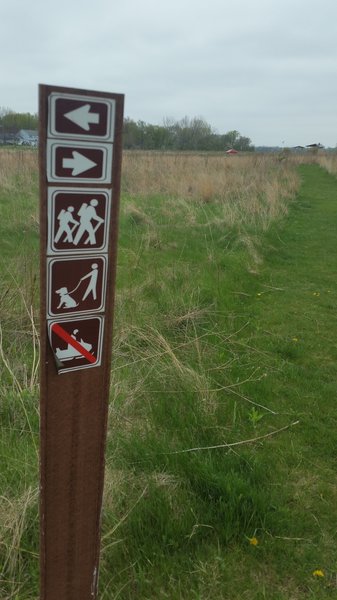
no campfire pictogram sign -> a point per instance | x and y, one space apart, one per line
77 344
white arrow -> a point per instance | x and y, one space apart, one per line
82 116
78 163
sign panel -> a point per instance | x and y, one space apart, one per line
80 154
75 117
78 220
76 343
79 162
76 285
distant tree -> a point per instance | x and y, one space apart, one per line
12 122
244 144
231 138
185 134
156 137
190 134
130 133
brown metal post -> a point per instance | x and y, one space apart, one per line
80 165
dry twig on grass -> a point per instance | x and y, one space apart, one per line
240 443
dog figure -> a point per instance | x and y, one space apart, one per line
66 301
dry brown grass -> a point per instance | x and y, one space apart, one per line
328 162
19 201
18 167
249 187
14 520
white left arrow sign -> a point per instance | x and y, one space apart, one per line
83 117
78 163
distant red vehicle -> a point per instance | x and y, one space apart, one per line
232 151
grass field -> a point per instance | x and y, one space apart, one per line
225 333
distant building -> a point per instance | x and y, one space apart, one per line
8 138
315 147
27 137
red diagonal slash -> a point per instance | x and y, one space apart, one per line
64 335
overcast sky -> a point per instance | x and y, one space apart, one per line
267 68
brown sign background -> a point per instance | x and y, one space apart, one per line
74 404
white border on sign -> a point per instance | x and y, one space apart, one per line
53 133
52 195
98 362
107 150
51 261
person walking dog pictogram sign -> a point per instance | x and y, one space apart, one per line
76 285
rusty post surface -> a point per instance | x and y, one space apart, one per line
74 403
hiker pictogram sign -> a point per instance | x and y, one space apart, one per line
76 285
76 343
78 220
77 117
83 162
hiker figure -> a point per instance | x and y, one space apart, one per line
64 218
88 215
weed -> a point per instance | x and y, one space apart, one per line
254 416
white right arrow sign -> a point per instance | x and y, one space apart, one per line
83 117
78 163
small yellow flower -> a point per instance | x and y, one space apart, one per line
316 293
253 541
318 573
295 339
259 294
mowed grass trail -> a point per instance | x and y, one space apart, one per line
194 516
293 327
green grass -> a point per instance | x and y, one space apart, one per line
222 335
283 490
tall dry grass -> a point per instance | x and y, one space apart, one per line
328 162
245 191
165 352
19 206
250 189
240 192
18 167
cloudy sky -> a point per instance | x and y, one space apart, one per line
267 68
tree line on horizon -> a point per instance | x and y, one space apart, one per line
11 122
185 134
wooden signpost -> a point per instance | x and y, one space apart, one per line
80 165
